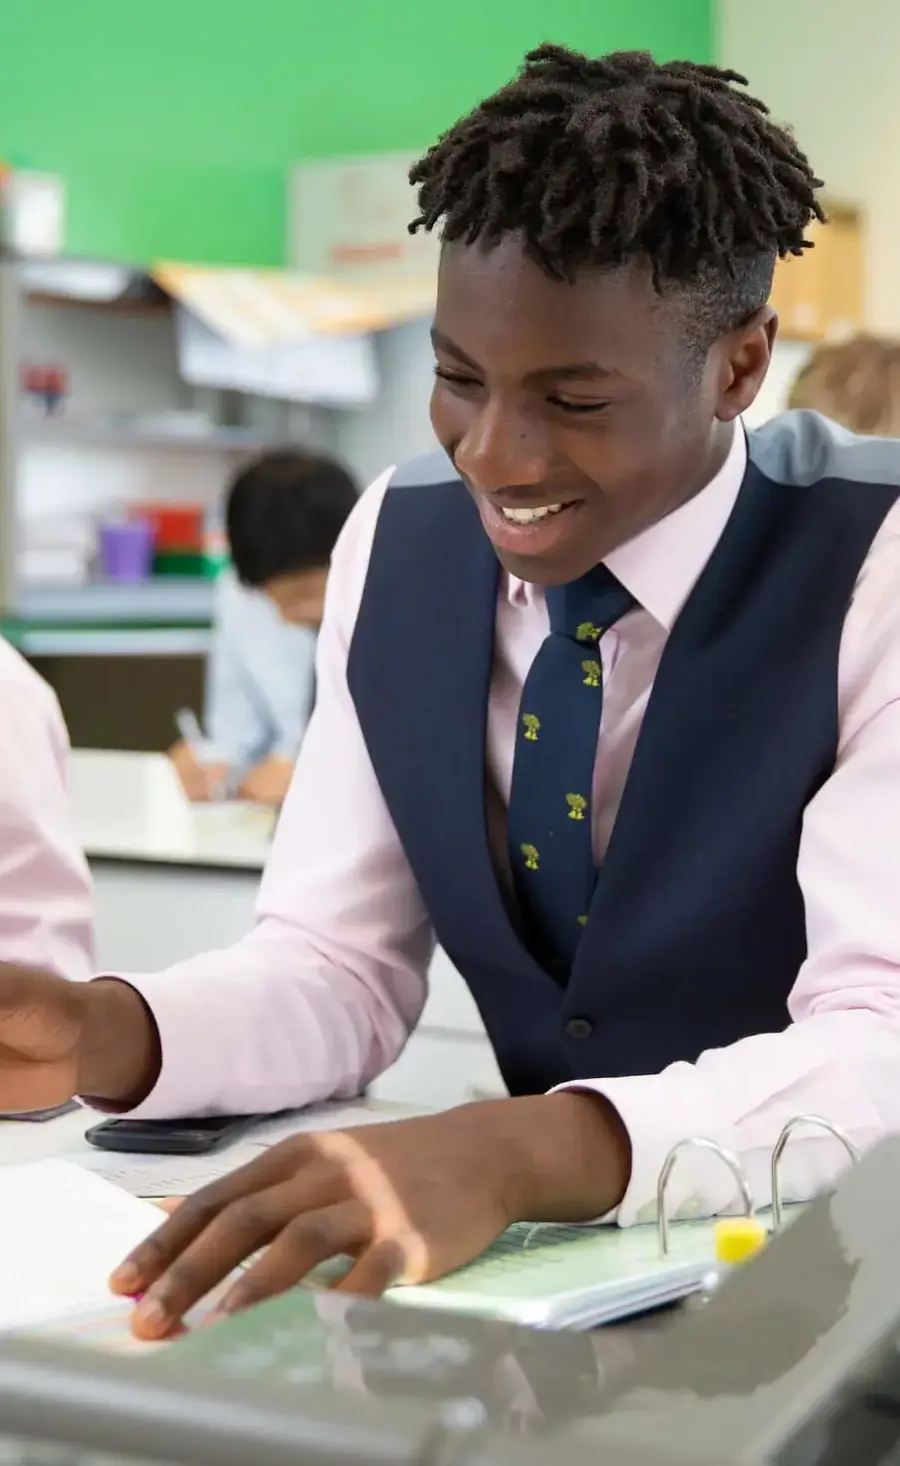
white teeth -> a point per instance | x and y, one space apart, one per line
530 516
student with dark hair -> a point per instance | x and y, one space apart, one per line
283 516
609 702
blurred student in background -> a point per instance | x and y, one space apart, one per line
283 516
856 384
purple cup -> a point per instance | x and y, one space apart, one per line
126 550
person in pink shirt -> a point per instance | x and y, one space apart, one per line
608 704
45 888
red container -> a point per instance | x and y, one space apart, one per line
175 526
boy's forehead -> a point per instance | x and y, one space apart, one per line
499 306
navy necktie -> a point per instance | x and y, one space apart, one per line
549 825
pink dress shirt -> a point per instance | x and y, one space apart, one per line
45 889
321 996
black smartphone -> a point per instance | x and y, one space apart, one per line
170 1137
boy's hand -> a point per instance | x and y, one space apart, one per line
412 1199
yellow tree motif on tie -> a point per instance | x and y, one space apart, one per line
532 858
532 725
587 631
592 673
577 806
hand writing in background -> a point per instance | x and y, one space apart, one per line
200 782
269 782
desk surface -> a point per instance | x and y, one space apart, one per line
63 1138
26 1140
130 807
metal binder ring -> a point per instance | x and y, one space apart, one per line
698 1143
818 1123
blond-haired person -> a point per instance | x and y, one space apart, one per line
855 383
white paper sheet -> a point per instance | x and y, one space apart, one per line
62 1231
164 1175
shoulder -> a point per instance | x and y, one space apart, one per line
355 543
31 709
19 680
231 598
805 448
242 614
430 469
353 551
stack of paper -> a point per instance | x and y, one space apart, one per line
62 1231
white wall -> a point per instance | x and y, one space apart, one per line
830 69
787 360
396 427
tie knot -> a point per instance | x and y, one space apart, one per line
585 608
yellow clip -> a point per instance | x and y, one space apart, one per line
739 1238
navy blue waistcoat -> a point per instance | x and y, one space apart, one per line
697 929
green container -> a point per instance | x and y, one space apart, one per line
189 563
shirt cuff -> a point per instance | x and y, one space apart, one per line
658 1111
180 1011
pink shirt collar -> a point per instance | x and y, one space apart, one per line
661 565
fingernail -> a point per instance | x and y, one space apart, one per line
126 1278
152 1316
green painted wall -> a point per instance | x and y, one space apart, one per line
173 123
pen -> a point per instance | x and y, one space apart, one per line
191 734
189 730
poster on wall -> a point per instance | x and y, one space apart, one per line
349 217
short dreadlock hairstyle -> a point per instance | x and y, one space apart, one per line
612 161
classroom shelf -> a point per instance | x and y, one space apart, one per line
65 434
114 641
168 601
159 305
130 430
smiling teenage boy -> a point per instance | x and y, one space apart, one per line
609 701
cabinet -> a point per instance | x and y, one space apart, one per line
96 415
819 295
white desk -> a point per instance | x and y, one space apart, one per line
173 880
21 1141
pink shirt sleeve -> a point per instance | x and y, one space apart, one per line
45 889
840 1056
321 996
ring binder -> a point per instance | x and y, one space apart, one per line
699 1142
817 1122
